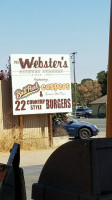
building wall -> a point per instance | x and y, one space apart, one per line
94 108
34 126
99 110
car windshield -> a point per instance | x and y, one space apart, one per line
80 109
71 119
87 108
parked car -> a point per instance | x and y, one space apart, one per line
78 129
83 112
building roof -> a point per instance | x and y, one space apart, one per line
101 100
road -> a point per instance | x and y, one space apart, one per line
32 173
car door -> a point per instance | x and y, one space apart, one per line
72 129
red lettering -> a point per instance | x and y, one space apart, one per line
69 104
23 64
54 64
35 63
50 62
40 63
47 104
46 65
65 103
57 103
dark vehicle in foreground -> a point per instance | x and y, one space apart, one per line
78 129
83 112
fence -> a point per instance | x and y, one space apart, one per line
35 131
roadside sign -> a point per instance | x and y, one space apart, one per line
41 83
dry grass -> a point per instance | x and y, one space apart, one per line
60 131
34 143
8 138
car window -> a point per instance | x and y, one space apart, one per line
80 109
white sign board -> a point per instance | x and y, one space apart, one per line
41 83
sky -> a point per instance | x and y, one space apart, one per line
57 27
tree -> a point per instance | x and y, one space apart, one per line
85 79
102 80
89 91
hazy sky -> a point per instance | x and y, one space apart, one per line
54 27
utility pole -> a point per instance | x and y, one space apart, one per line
73 57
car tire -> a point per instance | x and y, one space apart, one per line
84 133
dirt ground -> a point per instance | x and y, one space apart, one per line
28 158
35 157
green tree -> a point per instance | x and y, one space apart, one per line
102 80
85 79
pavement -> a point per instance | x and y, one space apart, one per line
39 157
29 158
35 157
32 163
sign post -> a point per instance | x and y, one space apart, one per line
50 131
21 130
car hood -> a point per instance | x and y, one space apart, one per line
85 123
78 123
